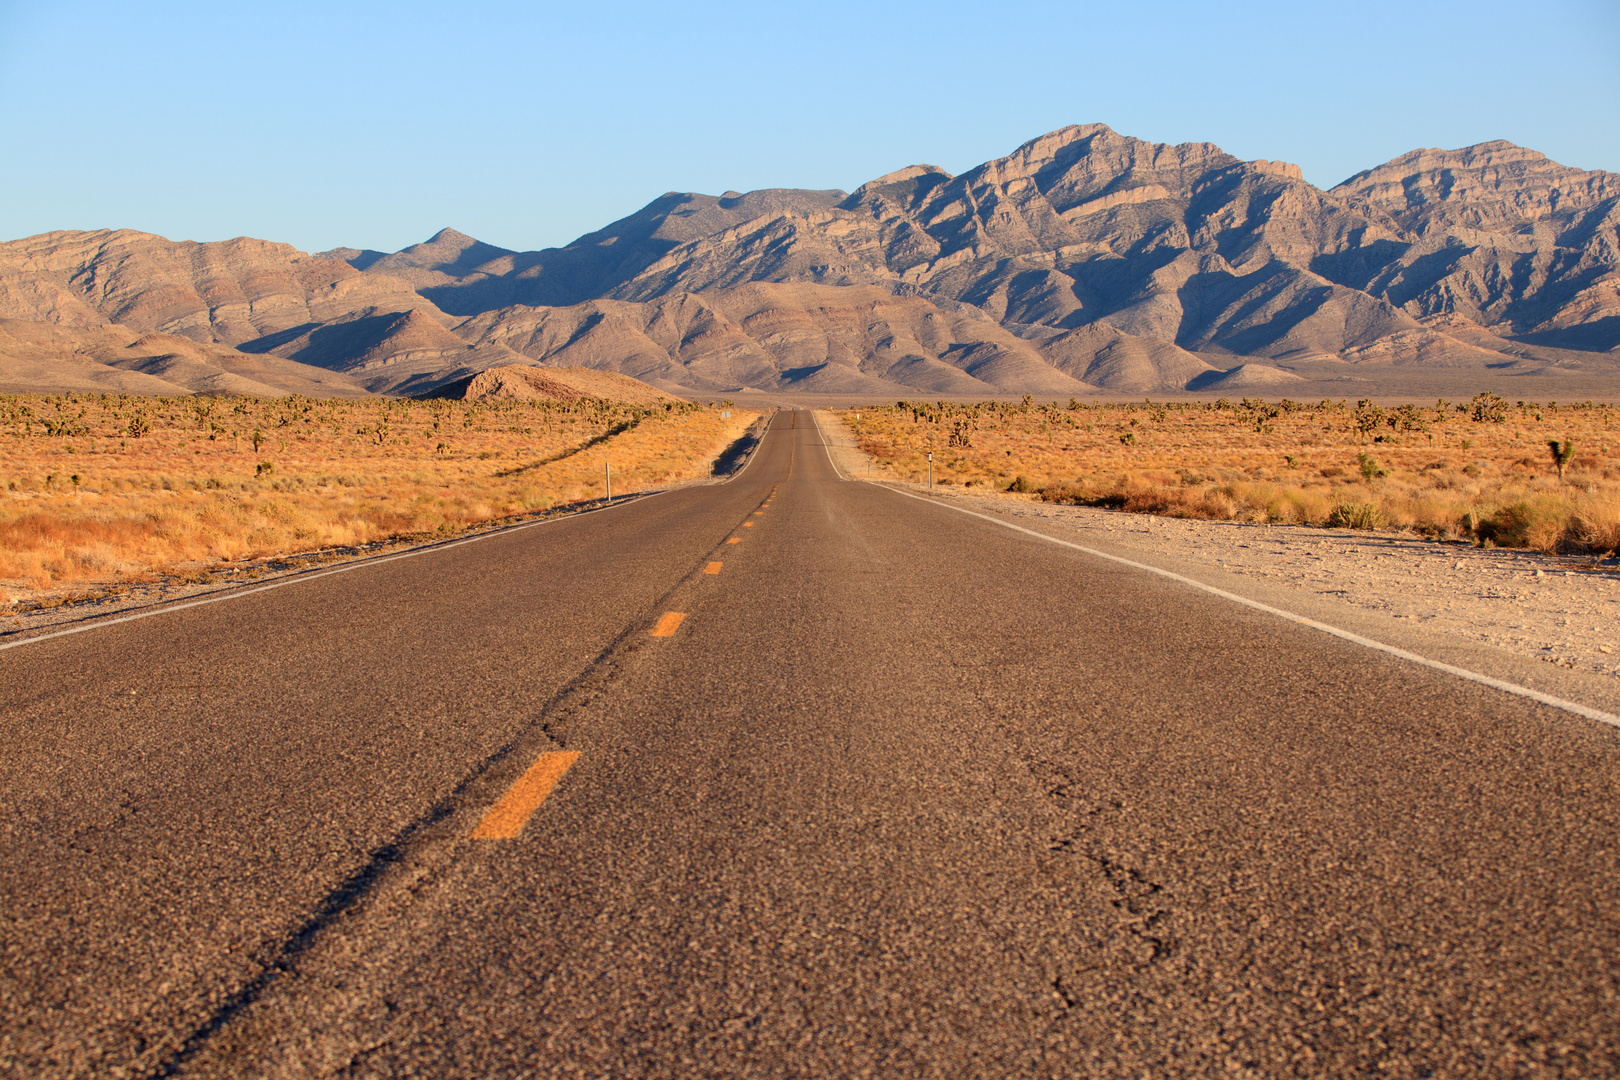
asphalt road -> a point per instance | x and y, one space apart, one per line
901 793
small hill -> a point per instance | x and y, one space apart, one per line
388 352
1245 377
1119 362
556 384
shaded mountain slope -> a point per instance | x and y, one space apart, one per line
778 336
231 292
466 277
42 357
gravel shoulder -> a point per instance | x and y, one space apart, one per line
1549 623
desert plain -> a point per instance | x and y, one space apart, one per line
107 492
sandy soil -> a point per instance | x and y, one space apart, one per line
1562 611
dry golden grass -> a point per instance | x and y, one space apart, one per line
113 488
1480 470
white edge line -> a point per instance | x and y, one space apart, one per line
753 453
1411 657
825 445
228 593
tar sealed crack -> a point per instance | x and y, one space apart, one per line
1130 892
1136 898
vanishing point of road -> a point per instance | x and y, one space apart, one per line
790 775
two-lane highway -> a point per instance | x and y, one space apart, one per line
186 793
789 776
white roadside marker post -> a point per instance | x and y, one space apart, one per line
607 476
930 471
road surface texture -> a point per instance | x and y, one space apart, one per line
864 786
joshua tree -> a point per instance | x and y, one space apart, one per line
1561 453
1369 418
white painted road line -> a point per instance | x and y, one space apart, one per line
297 579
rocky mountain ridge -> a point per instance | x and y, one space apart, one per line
1084 261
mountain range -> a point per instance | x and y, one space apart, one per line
1085 261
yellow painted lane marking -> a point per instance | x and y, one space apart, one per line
735 540
507 817
748 524
667 624
712 568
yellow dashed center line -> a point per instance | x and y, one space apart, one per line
735 540
748 524
667 624
712 568
507 817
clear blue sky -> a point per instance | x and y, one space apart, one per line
527 124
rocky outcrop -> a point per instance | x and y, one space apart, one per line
1498 235
1492 188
